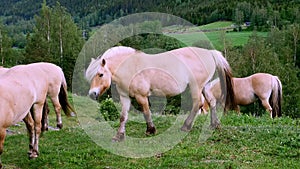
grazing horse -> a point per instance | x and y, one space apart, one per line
137 74
24 89
56 95
264 86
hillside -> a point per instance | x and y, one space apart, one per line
96 12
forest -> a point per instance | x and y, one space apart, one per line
55 31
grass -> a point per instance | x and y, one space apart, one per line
242 142
235 38
211 32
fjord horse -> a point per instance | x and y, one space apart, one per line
266 87
137 74
56 95
23 92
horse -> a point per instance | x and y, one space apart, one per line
139 75
266 87
53 91
23 92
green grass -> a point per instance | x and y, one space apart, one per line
235 38
242 142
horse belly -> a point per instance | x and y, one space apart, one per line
245 99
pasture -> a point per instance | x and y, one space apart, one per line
242 142
212 32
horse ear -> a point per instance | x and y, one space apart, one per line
103 62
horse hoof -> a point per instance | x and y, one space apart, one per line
150 131
33 155
186 128
60 126
119 137
215 126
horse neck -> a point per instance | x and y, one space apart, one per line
114 62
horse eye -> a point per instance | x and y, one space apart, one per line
100 75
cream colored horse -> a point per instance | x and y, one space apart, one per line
24 89
139 75
264 86
52 92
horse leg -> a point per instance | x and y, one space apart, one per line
125 101
212 102
57 108
267 106
2 138
143 101
37 117
45 121
30 129
187 126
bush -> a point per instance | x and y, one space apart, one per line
108 110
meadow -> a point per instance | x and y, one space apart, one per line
212 32
244 141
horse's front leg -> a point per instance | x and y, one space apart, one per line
30 129
2 138
143 101
125 101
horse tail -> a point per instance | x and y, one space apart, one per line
63 99
276 97
226 81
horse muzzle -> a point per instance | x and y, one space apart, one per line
94 94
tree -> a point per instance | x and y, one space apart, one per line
5 46
55 39
294 29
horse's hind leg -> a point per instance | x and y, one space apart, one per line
30 129
45 121
143 101
212 102
37 117
57 108
2 138
267 106
197 103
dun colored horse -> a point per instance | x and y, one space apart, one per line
137 74
264 86
24 89
52 91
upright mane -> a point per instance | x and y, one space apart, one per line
91 71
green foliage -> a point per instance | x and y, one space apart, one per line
56 39
108 110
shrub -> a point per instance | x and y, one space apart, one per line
108 110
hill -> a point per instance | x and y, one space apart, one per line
89 13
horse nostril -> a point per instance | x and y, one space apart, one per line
93 95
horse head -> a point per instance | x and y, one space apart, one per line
101 81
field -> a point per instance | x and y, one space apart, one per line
211 32
242 142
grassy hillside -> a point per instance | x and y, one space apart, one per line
211 32
243 142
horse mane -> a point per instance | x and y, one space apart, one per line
92 69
